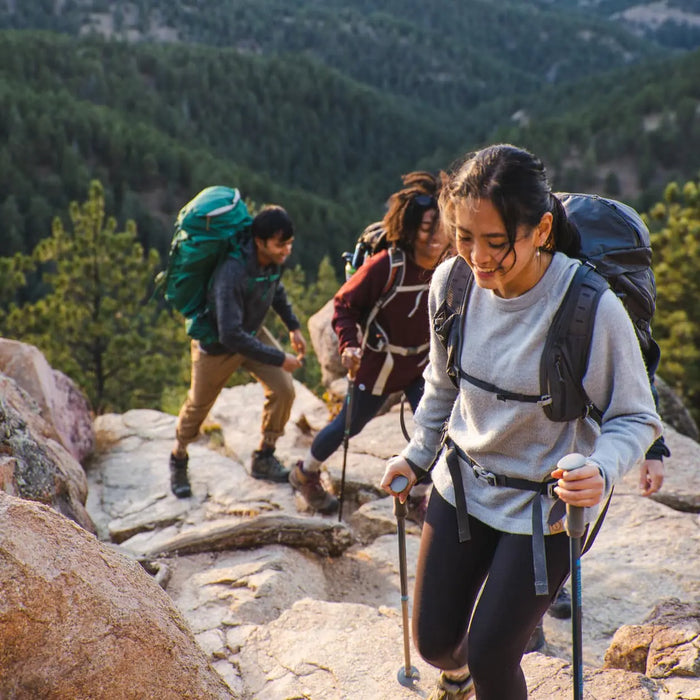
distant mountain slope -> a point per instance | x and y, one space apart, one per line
450 55
304 125
671 23
626 133
156 121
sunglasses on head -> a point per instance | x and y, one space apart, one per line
425 201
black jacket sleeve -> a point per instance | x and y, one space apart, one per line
282 307
659 448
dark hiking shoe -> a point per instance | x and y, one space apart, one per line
560 607
416 507
453 690
179 480
266 466
536 642
309 485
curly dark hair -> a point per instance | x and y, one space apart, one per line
406 207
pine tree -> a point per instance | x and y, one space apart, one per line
676 249
95 323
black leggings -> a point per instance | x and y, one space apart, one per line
449 577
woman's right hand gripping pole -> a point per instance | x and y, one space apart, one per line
351 358
398 466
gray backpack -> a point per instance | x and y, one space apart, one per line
616 254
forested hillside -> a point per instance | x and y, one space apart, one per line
444 54
625 134
158 123
319 105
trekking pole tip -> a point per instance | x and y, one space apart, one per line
407 677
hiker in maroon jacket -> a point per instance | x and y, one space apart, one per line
389 353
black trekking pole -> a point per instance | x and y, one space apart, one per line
346 439
575 528
407 674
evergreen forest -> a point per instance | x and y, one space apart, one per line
128 109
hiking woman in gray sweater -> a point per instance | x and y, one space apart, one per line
513 233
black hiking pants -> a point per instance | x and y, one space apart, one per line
449 577
365 406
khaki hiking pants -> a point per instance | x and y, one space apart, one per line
209 376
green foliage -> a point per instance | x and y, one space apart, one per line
13 276
319 105
155 124
676 246
95 324
608 123
306 299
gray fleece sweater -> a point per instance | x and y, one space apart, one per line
503 344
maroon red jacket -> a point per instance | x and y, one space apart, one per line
396 350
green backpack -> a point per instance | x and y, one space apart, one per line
208 228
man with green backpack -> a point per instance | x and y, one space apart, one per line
226 327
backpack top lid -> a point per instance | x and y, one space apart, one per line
372 240
610 231
615 240
216 210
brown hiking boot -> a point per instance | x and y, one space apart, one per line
453 690
309 485
266 466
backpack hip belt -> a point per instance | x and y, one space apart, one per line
540 489
388 365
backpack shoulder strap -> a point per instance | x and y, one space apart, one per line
567 348
447 321
397 271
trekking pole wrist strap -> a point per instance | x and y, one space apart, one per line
419 472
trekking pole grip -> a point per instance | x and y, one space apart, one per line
575 526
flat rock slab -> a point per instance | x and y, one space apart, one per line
280 618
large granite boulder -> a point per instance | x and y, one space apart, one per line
325 345
61 404
32 464
80 620
665 646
